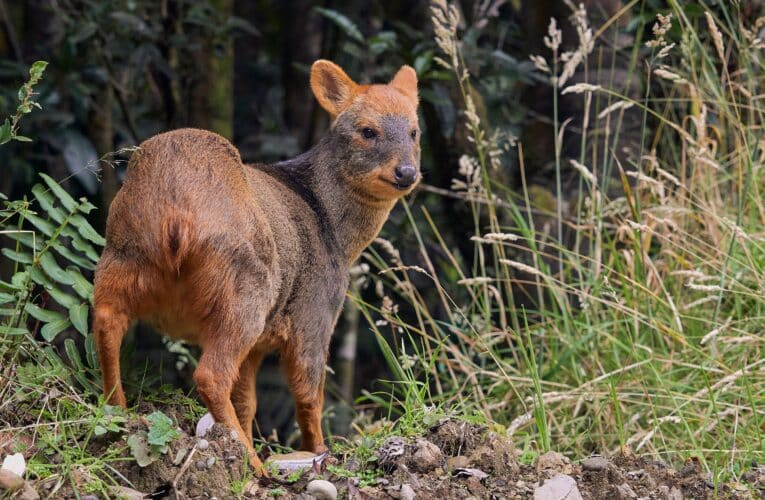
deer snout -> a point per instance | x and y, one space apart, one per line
405 175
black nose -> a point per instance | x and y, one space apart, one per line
405 175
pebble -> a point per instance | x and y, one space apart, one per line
89 497
210 462
125 493
559 487
204 424
321 490
203 444
555 462
15 463
427 456
28 493
625 492
595 464
406 493
201 465
458 462
10 481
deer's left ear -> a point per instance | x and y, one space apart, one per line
405 82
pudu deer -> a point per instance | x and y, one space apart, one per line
245 260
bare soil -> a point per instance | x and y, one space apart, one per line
453 460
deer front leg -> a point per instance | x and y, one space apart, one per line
305 377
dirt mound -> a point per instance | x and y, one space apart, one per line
453 460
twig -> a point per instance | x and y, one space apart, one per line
182 471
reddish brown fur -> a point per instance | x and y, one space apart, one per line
243 261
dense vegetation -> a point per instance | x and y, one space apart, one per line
581 271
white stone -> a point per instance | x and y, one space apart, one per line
321 490
204 424
15 463
559 487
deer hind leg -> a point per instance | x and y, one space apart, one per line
305 377
243 395
110 323
223 353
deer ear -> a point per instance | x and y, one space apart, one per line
405 82
331 86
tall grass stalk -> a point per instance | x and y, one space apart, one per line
646 333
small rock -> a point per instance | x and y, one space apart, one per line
675 494
559 487
205 424
406 493
15 463
210 462
467 472
391 451
201 464
321 490
458 462
10 481
89 497
28 493
427 456
625 492
595 464
203 444
234 435
552 461
126 493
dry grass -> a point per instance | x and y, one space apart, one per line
646 330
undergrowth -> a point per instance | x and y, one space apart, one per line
633 318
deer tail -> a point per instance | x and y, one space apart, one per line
175 239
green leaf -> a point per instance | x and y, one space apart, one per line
85 206
7 297
26 238
82 285
74 258
52 269
10 330
86 230
47 202
99 430
50 330
140 449
78 315
39 277
65 198
43 225
343 22
61 297
5 132
20 257
162 429
22 138
36 70
20 280
83 246
41 314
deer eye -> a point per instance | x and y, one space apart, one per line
368 133
413 133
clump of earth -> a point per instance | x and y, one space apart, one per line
454 459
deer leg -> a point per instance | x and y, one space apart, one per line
215 375
305 377
243 395
109 327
